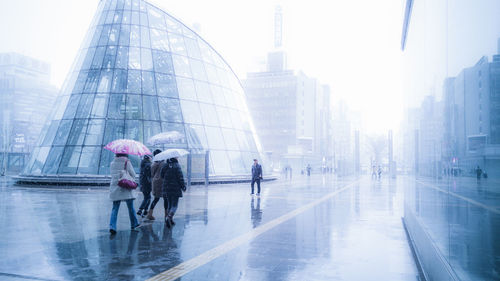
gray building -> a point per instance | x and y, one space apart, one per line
27 98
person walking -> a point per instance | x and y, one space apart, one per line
256 176
479 172
145 181
173 186
118 194
379 172
157 183
308 169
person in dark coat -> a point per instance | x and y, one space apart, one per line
479 172
256 175
173 186
145 181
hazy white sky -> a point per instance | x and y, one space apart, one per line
352 45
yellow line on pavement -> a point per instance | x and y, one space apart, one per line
189 265
473 202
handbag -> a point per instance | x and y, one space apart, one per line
126 180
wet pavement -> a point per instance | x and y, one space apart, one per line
311 228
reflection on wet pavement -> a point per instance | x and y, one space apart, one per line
293 231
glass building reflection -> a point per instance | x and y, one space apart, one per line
140 72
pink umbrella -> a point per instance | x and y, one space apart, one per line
127 147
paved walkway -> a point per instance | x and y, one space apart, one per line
317 228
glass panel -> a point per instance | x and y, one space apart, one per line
126 18
29 166
191 112
94 132
51 133
62 105
231 140
88 58
96 37
134 82
206 52
145 38
148 83
133 130
135 39
218 95
89 160
109 57
186 88
62 132
237 163
135 5
92 81
100 106
146 59
118 14
114 131
151 128
208 114
78 132
212 74
105 82
203 92
71 107
215 139
181 65
134 107
144 18
156 18
150 105
128 5
134 58
165 85
80 82
122 57
119 81
70 159
40 160
251 141
116 108
236 119
170 110
220 162
192 48
198 69
242 140
53 160
105 33
85 106
229 97
124 35
163 62
105 161
170 127
196 136
114 33
159 40
173 25
224 117
177 44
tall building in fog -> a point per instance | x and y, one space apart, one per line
291 111
27 97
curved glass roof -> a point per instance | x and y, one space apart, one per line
140 72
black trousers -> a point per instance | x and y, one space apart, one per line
155 201
258 185
145 201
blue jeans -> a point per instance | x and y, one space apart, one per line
131 214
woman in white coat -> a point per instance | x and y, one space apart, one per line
118 194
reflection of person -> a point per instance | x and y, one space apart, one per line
479 172
256 175
157 183
118 194
145 181
308 169
173 186
256 214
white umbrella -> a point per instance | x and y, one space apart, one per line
165 138
170 153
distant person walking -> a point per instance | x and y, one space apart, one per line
308 169
118 194
145 181
374 172
256 176
479 172
173 186
379 172
157 185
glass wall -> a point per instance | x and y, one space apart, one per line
141 72
451 54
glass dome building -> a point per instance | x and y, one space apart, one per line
140 72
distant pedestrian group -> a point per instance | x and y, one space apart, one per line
162 178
